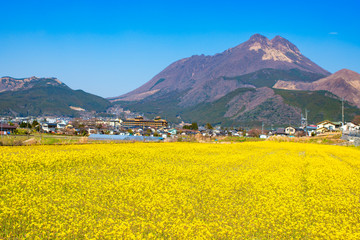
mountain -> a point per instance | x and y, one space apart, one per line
207 78
45 96
15 84
344 84
235 87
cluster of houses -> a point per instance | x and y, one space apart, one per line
320 128
75 126
158 127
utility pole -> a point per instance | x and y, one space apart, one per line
342 111
262 128
304 120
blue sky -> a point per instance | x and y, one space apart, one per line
111 47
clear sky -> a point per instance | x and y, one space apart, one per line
111 47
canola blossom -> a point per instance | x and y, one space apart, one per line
262 190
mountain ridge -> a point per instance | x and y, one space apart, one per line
343 83
233 87
37 96
8 83
197 73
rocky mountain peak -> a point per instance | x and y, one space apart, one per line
278 49
12 84
347 74
259 39
206 76
284 45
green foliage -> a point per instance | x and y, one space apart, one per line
25 125
21 131
268 77
213 112
52 100
208 126
321 104
193 126
35 124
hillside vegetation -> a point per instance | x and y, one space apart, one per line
52 100
277 111
268 77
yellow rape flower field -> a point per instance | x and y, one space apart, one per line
258 190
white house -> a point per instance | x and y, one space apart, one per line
350 127
332 126
49 127
290 131
60 125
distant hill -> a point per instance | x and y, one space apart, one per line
45 96
249 107
16 84
344 84
235 87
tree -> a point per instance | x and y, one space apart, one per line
254 132
194 126
356 120
25 125
147 132
208 126
34 124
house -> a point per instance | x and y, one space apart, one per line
350 127
280 131
115 123
290 131
172 131
332 126
61 125
187 131
49 127
322 130
91 131
6 129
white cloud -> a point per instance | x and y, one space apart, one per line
333 33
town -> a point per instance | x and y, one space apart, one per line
141 128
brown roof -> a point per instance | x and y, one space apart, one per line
6 126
